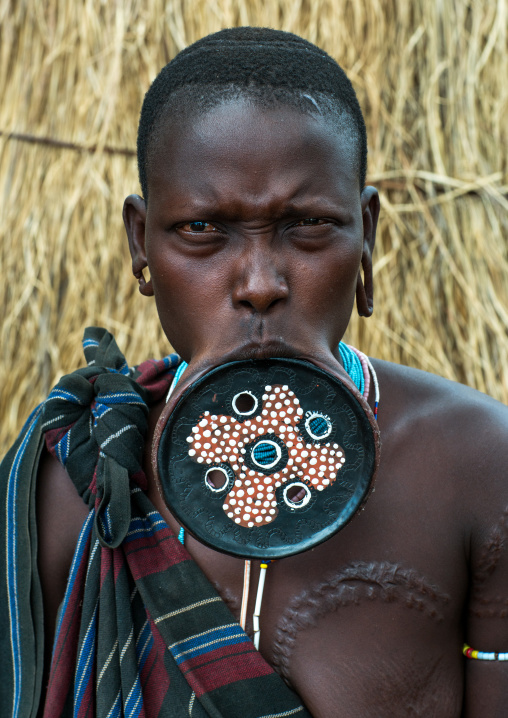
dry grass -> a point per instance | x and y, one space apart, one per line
431 77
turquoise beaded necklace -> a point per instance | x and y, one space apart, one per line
352 366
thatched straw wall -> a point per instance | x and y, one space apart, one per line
432 79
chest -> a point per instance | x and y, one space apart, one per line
371 617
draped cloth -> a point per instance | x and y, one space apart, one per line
141 631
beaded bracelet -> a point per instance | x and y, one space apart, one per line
482 655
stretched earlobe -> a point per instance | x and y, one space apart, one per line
134 217
145 288
364 299
365 286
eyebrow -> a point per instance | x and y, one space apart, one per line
310 207
299 201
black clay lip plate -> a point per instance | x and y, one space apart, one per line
255 513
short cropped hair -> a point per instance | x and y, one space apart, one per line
269 67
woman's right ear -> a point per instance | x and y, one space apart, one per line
134 218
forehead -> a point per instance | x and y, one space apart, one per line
239 147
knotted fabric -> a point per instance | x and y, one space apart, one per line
141 631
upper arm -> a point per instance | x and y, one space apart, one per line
486 682
60 516
487 611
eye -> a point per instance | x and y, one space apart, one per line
198 226
199 233
310 222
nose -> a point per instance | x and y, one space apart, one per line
261 284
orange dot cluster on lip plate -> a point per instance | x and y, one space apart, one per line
251 500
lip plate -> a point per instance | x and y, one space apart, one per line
179 476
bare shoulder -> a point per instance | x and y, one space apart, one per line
458 439
466 428
407 384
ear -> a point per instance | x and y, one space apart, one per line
134 218
364 287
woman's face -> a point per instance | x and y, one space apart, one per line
254 234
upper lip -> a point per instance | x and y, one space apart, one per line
262 350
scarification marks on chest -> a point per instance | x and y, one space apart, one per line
485 601
352 585
268 451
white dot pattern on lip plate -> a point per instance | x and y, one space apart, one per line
260 506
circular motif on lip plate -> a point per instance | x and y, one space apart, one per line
219 478
266 454
318 425
245 403
297 495
266 458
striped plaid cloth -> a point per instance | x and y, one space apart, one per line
141 631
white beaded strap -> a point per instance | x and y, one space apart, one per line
259 597
368 371
245 594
